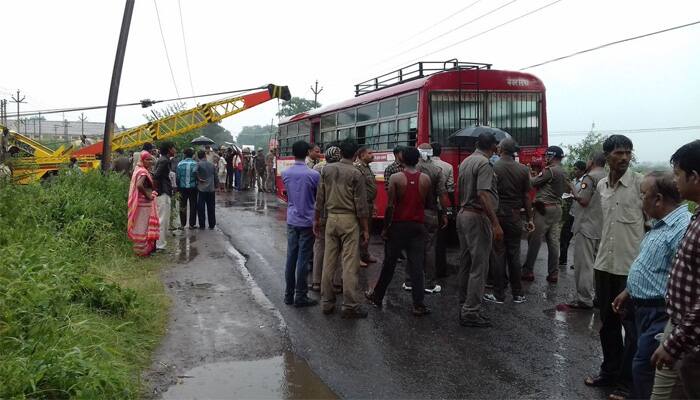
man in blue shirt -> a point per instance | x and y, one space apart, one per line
300 182
648 275
187 186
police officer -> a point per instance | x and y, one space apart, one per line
364 158
587 229
342 194
550 185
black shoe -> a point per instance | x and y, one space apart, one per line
288 300
201 228
474 321
211 227
305 302
353 313
420 311
369 295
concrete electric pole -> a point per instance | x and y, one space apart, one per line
19 100
316 91
114 86
82 119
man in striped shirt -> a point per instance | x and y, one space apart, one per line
646 282
682 345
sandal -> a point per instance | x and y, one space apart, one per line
599 381
619 394
316 287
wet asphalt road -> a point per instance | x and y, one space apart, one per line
533 351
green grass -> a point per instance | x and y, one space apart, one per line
79 313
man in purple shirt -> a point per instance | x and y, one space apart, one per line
300 182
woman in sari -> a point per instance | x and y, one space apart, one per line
143 227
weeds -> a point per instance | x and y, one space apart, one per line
79 314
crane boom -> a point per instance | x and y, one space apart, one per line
188 120
42 160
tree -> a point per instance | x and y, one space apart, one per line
256 135
593 142
297 105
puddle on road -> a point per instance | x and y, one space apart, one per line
186 252
282 377
577 319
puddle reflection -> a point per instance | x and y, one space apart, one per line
186 252
282 377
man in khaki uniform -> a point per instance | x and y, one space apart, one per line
342 193
587 228
477 228
364 158
550 185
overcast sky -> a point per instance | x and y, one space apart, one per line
60 54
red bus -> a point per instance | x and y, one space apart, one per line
423 103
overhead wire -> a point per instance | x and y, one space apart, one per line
184 42
486 31
448 32
139 103
602 46
439 22
165 46
628 131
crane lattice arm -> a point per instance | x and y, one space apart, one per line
188 120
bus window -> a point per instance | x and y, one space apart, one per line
448 114
346 133
367 135
367 113
327 121
387 136
407 131
346 117
517 114
387 108
408 104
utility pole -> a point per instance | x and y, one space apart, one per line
39 117
316 91
114 86
19 101
82 119
3 112
65 129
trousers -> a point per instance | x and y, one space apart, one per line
342 240
411 238
546 227
667 382
585 250
475 241
617 353
507 255
188 200
649 321
260 175
300 242
565 237
163 202
206 201
319 249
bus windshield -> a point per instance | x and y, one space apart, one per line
518 113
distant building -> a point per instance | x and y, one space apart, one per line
58 130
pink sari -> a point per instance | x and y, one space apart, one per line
143 227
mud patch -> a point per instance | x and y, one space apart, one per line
282 377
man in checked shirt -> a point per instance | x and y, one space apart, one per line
681 343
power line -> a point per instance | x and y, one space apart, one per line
486 31
449 31
167 56
621 131
611 44
184 42
143 103
439 22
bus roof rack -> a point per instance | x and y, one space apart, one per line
414 71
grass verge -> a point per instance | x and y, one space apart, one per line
79 314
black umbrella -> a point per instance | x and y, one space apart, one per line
467 136
202 140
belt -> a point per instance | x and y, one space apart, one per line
658 302
474 210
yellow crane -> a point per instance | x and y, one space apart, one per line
39 161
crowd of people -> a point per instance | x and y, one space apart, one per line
636 245
161 182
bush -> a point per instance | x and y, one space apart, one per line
79 314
